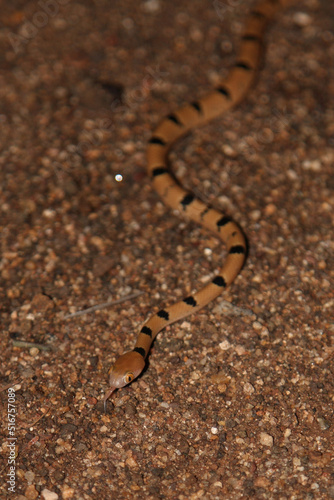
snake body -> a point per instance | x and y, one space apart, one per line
227 95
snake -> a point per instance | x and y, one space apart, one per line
227 94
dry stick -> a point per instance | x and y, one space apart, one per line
24 343
5 387
104 305
24 425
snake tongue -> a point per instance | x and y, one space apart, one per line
107 396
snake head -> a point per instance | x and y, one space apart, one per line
125 370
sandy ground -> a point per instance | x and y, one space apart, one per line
237 401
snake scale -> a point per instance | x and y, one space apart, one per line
227 95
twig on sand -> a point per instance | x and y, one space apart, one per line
104 305
24 343
7 386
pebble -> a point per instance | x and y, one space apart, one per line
270 210
30 476
31 493
240 350
225 345
323 423
302 19
41 303
49 214
261 482
248 388
49 495
313 165
131 462
151 6
67 492
266 439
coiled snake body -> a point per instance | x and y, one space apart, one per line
229 93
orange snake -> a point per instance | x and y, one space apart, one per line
229 93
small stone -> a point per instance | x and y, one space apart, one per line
98 242
229 151
287 433
292 175
225 345
41 303
30 476
256 325
248 388
94 471
151 6
255 215
313 165
48 213
80 447
302 19
67 492
131 462
261 482
323 423
220 378
240 350
266 439
49 495
31 493
67 429
101 265
270 209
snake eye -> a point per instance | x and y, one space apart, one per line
128 377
